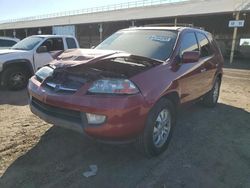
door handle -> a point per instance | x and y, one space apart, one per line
203 70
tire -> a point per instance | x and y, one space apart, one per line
211 98
15 78
147 141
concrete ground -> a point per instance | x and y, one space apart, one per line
209 148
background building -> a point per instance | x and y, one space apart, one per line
91 26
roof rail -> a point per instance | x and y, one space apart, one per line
173 25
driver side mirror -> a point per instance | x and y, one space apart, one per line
190 57
42 49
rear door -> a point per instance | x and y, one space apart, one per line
208 59
54 46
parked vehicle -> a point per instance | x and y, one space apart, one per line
19 63
130 86
7 42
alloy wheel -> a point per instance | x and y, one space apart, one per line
162 128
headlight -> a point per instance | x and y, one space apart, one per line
44 73
113 86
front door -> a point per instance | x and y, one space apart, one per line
54 46
190 80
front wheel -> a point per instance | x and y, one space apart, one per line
158 129
15 78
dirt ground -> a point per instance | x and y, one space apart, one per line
210 148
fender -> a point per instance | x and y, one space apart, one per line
219 73
25 62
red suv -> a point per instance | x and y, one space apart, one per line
130 86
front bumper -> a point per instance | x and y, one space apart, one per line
51 115
126 115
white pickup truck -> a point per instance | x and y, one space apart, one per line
20 62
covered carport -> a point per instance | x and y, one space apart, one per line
94 25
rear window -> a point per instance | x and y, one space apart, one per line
71 43
154 44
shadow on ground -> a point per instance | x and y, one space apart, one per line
209 148
243 64
19 98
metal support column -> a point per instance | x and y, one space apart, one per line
100 31
26 32
175 22
132 23
237 16
14 33
39 31
4 33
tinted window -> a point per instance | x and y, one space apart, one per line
53 44
28 43
154 44
204 45
71 43
6 43
189 43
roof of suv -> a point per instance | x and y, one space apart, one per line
164 28
170 28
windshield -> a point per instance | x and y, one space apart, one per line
27 43
154 44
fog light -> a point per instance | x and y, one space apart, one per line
95 119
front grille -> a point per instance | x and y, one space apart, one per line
62 88
69 115
65 83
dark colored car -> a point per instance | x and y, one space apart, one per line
130 86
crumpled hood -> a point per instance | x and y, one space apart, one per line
74 68
75 57
102 62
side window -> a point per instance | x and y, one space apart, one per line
7 43
53 44
188 43
204 45
71 43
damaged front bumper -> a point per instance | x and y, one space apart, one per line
125 115
57 116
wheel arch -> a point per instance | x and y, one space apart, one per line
174 97
24 63
219 75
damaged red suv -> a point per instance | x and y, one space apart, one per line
130 86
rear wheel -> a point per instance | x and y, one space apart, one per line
15 78
158 129
211 98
